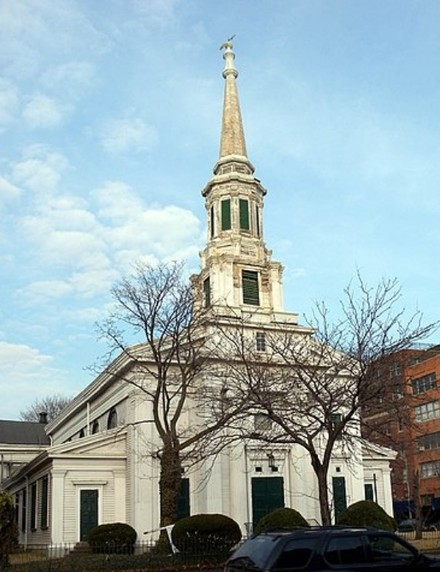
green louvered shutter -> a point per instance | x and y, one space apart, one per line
44 501
244 214
226 214
250 288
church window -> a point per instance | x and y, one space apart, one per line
260 340
244 214
95 427
257 221
336 419
250 288
207 292
262 422
112 419
369 491
81 434
226 214
212 223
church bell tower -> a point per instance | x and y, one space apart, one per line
237 275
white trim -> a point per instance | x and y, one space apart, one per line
89 483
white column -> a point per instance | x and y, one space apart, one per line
57 506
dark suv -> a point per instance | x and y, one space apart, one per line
324 549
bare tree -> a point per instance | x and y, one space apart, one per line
313 384
51 405
172 368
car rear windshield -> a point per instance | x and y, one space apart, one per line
256 549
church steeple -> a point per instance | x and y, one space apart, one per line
232 141
237 270
233 154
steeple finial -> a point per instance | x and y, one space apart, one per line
232 138
229 57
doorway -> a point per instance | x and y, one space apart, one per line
88 502
267 495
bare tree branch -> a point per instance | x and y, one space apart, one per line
313 384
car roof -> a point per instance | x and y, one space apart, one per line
316 530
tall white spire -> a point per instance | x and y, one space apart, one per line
232 141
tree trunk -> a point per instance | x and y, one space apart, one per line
169 483
321 475
324 507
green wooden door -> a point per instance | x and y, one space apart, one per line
88 511
339 495
267 495
183 507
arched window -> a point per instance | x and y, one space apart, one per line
81 434
95 427
112 419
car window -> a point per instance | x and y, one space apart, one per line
296 554
385 548
345 550
256 550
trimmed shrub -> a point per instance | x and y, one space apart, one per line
8 528
366 513
280 518
202 533
112 538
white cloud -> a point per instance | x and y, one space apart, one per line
129 134
160 231
8 190
29 372
116 201
43 111
85 253
91 282
41 172
37 292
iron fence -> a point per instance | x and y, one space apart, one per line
80 557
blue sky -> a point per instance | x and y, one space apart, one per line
109 129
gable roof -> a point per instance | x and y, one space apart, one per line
23 433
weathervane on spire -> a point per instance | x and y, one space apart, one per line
228 44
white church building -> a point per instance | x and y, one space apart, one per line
95 469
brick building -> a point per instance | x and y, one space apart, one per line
407 419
